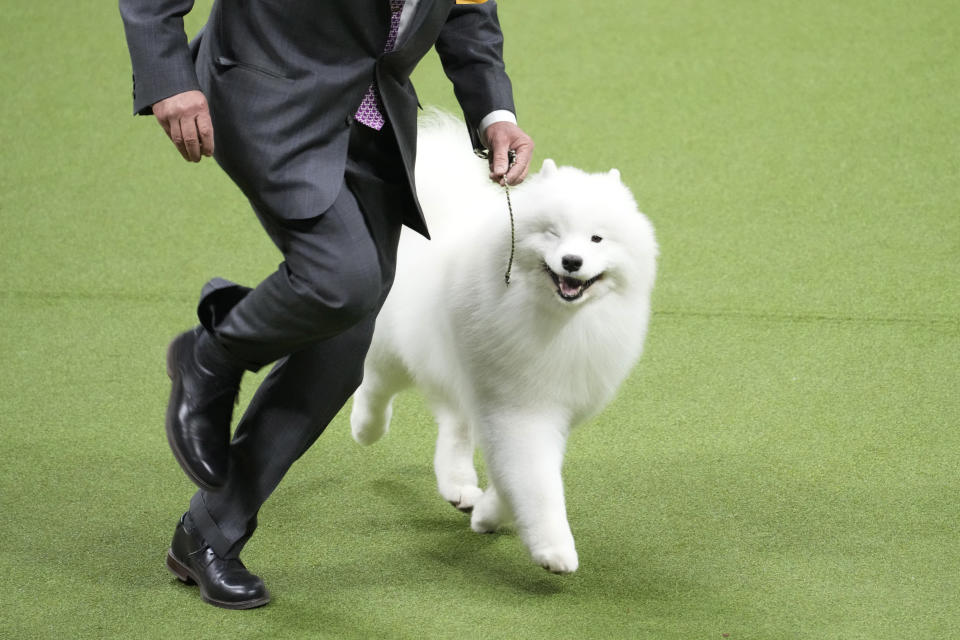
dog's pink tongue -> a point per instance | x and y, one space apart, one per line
570 286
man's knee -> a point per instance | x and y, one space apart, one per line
343 298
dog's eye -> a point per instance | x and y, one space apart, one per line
596 239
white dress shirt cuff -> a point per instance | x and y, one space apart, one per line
500 115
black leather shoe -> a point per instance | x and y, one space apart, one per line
223 582
201 403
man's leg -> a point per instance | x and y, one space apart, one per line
292 407
306 388
333 276
330 279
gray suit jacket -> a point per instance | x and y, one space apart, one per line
283 79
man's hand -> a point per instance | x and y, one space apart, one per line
502 137
186 119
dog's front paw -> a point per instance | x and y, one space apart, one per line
558 559
463 497
366 426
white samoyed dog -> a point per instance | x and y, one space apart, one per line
510 367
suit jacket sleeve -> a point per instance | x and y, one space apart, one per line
161 59
471 51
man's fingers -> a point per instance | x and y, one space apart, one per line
163 123
176 135
519 170
191 139
499 161
502 138
185 117
205 129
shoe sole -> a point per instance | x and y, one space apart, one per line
174 375
184 575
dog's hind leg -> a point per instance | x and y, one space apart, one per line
490 512
383 377
453 460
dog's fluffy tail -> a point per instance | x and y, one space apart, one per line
451 179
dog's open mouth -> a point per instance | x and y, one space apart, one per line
570 288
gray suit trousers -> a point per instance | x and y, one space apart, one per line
314 316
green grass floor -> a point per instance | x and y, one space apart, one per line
784 463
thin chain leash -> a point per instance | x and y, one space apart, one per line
513 229
512 158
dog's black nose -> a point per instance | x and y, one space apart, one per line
571 263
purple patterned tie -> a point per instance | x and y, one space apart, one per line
369 111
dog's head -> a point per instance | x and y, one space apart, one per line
580 236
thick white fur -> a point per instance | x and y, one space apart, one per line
510 368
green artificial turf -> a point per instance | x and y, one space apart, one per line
784 463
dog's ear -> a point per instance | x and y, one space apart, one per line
615 173
549 167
